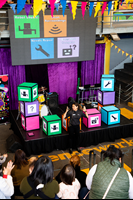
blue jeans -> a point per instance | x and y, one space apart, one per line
83 192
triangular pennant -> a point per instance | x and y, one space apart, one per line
52 2
13 6
63 3
2 2
27 8
127 1
83 7
70 7
44 7
91 8
20 5
37 6
118 50
104 7
115 6
57 6
98 7
116 47
123 52
112 44
130 56
109 6
74 8
126 54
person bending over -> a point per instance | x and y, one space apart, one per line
101 175
75 114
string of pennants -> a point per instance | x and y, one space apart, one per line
39 5
120 50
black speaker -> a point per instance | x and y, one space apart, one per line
52 100
13 143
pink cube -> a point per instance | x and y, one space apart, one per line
94 119
30 123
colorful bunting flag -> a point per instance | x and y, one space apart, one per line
112 44
123 52
37 6
52 2
13 6
63 3
118 50
70 7
74 8
57 6
91 8
126 54
98 7
116 47
109 6
44 7
27 8
83 7
2 2
116 3
20 5
104 7
130 56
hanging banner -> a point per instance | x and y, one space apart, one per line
91 8
20 5
37 6
52 2
27 9
74 8
104 7
4 99
13 6
83 7
44 7
63 3
2 2
98 7
57 6
115 6
109 6
70 6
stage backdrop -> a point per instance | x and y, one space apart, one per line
16 75
4 99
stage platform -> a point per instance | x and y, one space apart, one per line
41 143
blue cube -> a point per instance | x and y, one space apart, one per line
110 115
107 83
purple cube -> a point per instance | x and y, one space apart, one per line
106 98
29 109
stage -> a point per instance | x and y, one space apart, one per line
41 143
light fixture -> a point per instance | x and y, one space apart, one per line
115 36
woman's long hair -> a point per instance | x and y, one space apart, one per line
113 153
78 105
43 171
20 159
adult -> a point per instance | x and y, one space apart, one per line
40 183
6 183
101 175
20 170
75 114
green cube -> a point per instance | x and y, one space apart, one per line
27 92
52 125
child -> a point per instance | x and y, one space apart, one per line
2 160
70 186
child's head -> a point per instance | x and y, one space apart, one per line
32 162
75 161
67 175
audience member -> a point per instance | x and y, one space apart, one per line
40 183
6 183
32 162
101 175
2 160
70 186
20 170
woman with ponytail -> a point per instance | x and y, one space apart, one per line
108 179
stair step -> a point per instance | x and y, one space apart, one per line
130 104
125 74
129 67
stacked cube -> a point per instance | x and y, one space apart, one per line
29 106
94 118
106 100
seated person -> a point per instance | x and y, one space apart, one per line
2 160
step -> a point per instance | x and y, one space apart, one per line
130 104
120 80
128 66
124 73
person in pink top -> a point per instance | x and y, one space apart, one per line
70 186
